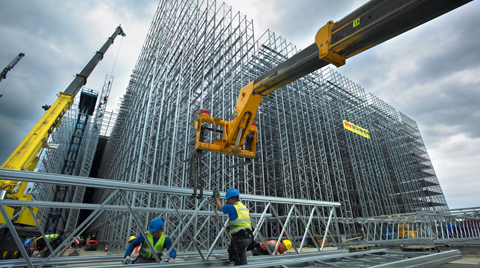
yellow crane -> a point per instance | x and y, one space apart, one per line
364 28
25 156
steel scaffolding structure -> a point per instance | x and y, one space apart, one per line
189 228
197 55
184 222
51 160
441 227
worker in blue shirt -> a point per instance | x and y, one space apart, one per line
240 225
157 239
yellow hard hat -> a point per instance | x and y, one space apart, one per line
287 243
131 238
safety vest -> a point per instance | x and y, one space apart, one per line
243 220
49 237
271 244
145 250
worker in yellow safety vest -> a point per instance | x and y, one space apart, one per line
40 244
157 239
240 225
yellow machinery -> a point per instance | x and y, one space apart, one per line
366 27
25 156
407 230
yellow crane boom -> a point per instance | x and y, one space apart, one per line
25 156
364 28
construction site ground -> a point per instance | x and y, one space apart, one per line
470 255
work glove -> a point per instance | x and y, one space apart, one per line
127 260
216 194
171 260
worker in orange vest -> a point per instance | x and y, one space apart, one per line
284 246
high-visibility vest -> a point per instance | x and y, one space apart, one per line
242 222
145 250
271 244
49 237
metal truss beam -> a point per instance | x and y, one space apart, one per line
202 209
127 186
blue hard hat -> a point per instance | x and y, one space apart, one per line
155 225
232 192
27 242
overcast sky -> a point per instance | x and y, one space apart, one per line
431 73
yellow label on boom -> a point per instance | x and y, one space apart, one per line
356 129
356 22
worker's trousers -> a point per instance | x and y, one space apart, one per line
237 249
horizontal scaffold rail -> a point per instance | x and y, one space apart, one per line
129 186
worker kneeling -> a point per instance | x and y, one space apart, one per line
157 239
240 226
40 243
284 246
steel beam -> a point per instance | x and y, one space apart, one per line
128 186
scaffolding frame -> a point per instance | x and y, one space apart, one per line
457 226
51 159
179 223
201 258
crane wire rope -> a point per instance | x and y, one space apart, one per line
118 51
5 87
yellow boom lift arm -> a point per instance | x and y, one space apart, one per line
25 156
364 28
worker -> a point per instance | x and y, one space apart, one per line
284 246
130 240
240 226
26 244
157 239
41 244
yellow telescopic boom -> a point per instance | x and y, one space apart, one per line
364 28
